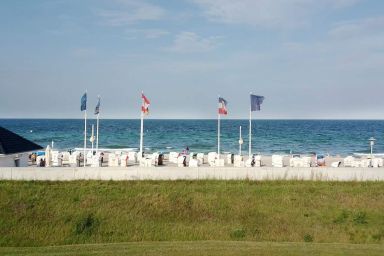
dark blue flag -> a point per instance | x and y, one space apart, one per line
97 109
83 105
256 101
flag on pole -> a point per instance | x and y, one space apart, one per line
97 108
83 105
223 106
256 101
146 103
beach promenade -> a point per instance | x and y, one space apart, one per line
199 173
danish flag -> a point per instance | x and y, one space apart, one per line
146 103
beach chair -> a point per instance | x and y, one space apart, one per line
336 164
193 163
65 158
248 163
238 161
356 164
89 157
211 158
377 162
365 163
145 162
306 161
277 161
113 160
200 158
73 158
173 157
95 161
295 162
124 158
154 159
348 161
182 161
55 158
132 157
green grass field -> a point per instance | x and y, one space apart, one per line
220 248
235 212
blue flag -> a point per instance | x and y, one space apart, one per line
83 105
97 109
256 101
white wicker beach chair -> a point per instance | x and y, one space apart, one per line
365 163
113 160
306 161
95 161
132 157
211 158
193 163
239 161
336 164
180 161
277 161
55 158
348 161
200 158
173 157
377 162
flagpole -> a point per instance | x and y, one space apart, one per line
92 137
218 136
240 142
250 131
141 131
97 134
85 136
97 126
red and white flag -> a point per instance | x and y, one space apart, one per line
222 106
146 103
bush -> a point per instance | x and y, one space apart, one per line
238 234
360 218
86 225
308 238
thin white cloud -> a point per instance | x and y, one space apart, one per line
353 28
130 12
146 33
191 42
267 13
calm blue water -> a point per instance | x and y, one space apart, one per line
269 136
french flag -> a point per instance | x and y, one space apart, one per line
146 103
223 106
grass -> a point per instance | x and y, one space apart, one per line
91 212
221 248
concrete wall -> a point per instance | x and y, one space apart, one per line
9 160
176 173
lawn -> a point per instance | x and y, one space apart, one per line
92 212
200 248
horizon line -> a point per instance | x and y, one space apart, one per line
266 119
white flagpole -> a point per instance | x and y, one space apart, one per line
218 136
97 127
85 136
250 130
240 142
92 137
141 131
97 134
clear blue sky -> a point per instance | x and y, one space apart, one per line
309 58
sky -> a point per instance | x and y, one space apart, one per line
311 59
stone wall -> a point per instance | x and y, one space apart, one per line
201 173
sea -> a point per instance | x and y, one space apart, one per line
334 137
